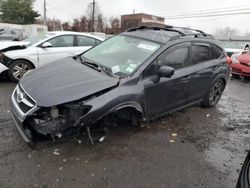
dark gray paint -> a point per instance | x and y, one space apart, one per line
64 81
67 81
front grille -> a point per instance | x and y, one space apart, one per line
23 100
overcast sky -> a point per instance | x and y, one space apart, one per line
66 10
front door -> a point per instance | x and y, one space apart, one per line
168 93
62 47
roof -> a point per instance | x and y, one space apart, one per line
75 33
159 36
165 34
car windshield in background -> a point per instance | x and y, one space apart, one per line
34 39
233 44
123 54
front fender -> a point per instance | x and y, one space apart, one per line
113 101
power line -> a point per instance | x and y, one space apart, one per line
208 15
226 9
211 12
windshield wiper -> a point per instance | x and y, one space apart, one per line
90 64
98 67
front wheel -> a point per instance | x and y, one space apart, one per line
214 94
17 69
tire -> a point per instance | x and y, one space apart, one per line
213 96
17 69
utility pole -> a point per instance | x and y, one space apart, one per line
93 16
44 14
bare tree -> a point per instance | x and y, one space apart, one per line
115 22
76 25
227 32
66 26
83 24
54 24
89 16
100 23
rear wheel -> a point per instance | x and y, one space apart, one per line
17 69
214 94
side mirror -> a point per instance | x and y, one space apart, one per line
165 71
46 45
246 47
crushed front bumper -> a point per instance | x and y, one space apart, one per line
19 122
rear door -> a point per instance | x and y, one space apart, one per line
167 93
62 47
203 66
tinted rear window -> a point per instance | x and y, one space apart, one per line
200 54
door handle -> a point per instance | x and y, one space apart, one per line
186 78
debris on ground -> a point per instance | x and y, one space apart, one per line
56 152
171 141
208 115
102 139
174 134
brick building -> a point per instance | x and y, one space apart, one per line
134 20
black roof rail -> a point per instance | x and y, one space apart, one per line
155 28
195 35
186 28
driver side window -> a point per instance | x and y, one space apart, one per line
176 57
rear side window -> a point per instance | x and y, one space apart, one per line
200 53
86 41
216 52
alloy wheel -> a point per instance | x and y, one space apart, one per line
216 93
19 70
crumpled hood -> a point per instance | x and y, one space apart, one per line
64 81
9 44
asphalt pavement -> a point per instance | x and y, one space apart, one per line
195 147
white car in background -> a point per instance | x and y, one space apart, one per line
42 49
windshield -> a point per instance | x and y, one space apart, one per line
122 54
233 44
36 38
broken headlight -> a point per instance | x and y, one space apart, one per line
55 120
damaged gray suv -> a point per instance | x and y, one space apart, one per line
136 76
